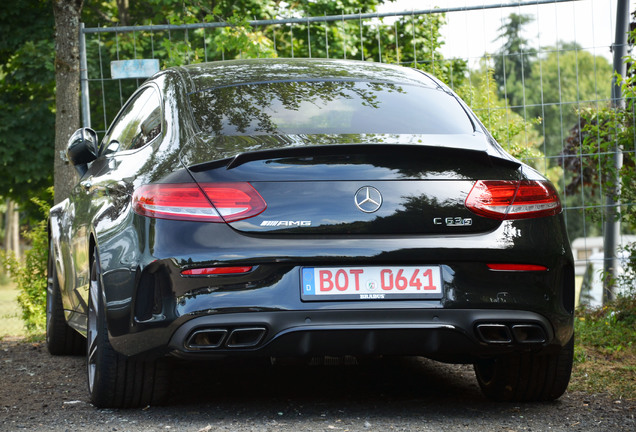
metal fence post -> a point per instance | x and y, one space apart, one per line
85 98
612 225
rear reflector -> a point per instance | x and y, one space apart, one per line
216 271
209 202
516 267
503 199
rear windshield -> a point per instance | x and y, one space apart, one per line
328 107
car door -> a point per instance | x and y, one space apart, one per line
101 198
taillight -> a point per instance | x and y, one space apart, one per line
504 199
208 202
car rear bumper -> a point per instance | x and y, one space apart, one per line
447 335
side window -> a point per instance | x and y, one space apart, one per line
149 122
139 123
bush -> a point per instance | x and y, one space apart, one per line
605 351
30 275
610 328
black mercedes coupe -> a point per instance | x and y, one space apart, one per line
297 208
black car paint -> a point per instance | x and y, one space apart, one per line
149 304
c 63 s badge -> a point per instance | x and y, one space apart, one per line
453 221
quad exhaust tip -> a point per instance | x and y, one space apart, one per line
494 333
497 333
206 339
245 337
219 338
528 333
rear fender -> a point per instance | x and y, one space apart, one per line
59 228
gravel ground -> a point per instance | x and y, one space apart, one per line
42 392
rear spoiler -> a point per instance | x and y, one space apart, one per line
480 156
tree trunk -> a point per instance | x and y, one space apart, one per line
123 12
13 229
67 80
16 231
8 226
3 227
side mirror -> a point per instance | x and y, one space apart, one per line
82 149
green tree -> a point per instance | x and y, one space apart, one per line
561 83
418 39
26 100
515 134
600 132
513 61
552 86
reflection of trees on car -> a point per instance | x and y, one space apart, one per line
138 123
260 108
325 106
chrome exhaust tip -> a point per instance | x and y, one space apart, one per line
206 339
529 333
494 333
245 337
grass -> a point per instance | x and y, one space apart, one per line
605 350
10 320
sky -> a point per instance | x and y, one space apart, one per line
468 35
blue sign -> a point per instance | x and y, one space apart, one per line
141 68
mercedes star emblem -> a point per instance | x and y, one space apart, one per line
368 199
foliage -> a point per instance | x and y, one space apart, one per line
412 41
610 328
582 81
553 85
27 101
515 134
602 134
30 275
628 278
605 351
513 60
593 143
560 83
591 146
241 37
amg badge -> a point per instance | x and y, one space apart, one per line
286 223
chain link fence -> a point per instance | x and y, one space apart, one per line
536 72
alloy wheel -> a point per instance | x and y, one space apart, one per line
92 330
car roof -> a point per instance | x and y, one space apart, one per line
205 76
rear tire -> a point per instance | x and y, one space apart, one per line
61 339
114 380
526 377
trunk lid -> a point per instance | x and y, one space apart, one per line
361 189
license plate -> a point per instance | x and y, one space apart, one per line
371 283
